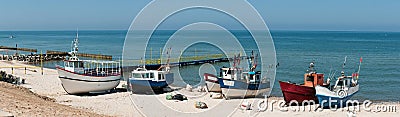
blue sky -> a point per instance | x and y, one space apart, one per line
353 15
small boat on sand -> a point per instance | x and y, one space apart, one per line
147 81
303 92
234 82
337 95
85 76
211 83
151 81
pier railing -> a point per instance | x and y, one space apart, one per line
20 49
97 56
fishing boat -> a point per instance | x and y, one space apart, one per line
303 92
211 83
86 76
149 81
235 82
145 81
338 94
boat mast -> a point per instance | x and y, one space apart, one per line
74 51
344 64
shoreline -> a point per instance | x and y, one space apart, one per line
120 103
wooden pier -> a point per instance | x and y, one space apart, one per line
19 49
50 55
96 56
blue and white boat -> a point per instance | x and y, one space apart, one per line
239 83
147 81
249 84
337 95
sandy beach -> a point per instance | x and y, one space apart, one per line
46 97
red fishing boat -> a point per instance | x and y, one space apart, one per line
303 92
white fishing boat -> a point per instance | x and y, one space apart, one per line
235 82
337 95
85 76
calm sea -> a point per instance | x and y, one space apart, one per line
379 75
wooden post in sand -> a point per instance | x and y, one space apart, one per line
41 61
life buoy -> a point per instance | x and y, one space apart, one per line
341 93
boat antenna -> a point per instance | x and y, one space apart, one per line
234 60
143 62
344 63
359 67
74 48
238 59
254 63
168 60
330 72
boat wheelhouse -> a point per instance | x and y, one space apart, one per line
148 81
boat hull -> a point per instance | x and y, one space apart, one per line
77 83
239 89
299 93
146 86
211 82
328 98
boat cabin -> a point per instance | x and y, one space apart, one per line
153 75
343 83
312 78
230 73
74 66
251 77
92 67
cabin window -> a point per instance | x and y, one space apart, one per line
257 77
340 83
137 75
76 65
347 83
344 82
151 75
70 64
228 72
145 75
160 77
244 76
251 77
310 78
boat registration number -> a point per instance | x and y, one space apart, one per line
229 83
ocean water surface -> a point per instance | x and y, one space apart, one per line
380 68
